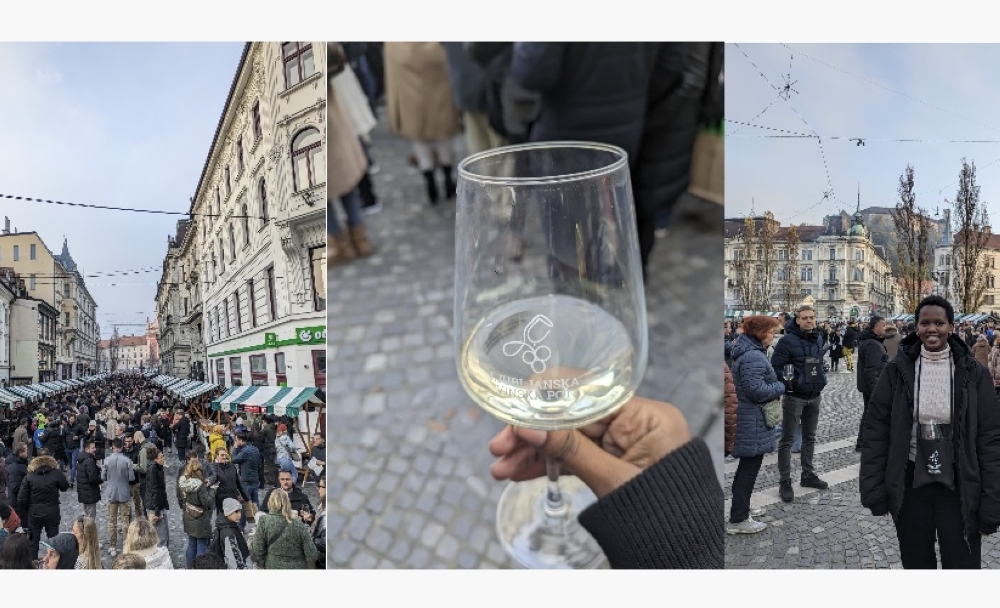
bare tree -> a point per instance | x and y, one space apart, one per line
793 285
755 262
912 228
766 261
113 345
968 263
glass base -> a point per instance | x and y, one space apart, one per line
538 540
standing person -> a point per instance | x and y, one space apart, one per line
931 456
891 342
85 531
802 347
756 385
227 480
73 439
120 475
17 469
422 109
281 541
96 435
836 351
319 526
130 449
301 507
269 434
21 434
285 450
247 458
850 343
354 103
155 499
217 440
197 504
142 539
88 483
981 350
38 498
228 541
181 428
871 360
469 83
994 365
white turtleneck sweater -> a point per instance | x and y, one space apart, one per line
933 392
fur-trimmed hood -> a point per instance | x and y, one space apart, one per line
41 462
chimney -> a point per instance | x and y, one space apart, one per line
6 225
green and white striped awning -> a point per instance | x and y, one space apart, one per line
196 390
9 399
276 400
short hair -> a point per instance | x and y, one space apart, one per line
874 320
803 308
208 561
758 326
949 310
117 443
89 445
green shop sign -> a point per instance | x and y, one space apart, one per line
303 336
311 335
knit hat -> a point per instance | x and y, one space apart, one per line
230 506
282 428
66 545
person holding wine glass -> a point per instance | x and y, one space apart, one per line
756 385
931 452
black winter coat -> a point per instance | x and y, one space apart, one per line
100 441
591 91
850 338
183 432
17 468
229 482
53 440
156 489
976 431
39 492
88 479
871 359
793 348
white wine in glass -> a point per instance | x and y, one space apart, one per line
554 337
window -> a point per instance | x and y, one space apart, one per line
229 183
222 257
258 370
215 268
859 255
833 253
239 156
66 290
31 252
299 64
833 294
279 369
235 371
218 203
253 304
239 312
859 274
807 254
782 254
32 281
218 323
833 274
270 293
232 244
807 274
67 320
305 149
317 268
17 252
263 203
225 309
319 368
220 371
256 121
782 274
185 307
246 225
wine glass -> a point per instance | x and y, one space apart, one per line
789 371
550 317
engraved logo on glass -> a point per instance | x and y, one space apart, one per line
529 348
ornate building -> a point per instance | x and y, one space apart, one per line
251 260
846 275
79 321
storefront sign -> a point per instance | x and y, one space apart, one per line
311 335
270 340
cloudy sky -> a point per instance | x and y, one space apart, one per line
937 93
125 125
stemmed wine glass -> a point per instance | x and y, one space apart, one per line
789 371
550 317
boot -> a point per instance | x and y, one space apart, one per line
359 239
432 189
339 250
449 184
785 491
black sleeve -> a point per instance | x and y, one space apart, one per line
667 517
875 448
988 450
484 53
875 359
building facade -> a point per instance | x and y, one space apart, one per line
249 270
152 339
846 275
79 330
33 341
8 292
943 274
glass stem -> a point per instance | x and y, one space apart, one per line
555 506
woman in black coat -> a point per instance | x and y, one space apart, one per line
155 500
931 455
227 480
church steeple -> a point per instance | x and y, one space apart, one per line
65 258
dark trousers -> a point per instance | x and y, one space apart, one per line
931 512
796 411
743 482
867 396
35 527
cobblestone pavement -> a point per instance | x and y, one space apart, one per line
71 509
409 482
828 529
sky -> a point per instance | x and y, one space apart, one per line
877 92
120 124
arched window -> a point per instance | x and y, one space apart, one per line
246 225
263 203
306 146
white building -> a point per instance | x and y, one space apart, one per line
944 276
8 291
839 267
133 353
259 220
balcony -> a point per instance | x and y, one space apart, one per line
829 283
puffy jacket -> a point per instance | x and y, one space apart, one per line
282 545
229 482
156 489
756 384
850 337
731 405
196 492
591 91
870 360
88 479
248 458
976 434
793 348
284 446
39 492
17 468
215 441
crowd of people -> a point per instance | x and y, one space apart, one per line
929 432
109 442
650 99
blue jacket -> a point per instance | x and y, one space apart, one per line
756 384
793 348
247 457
